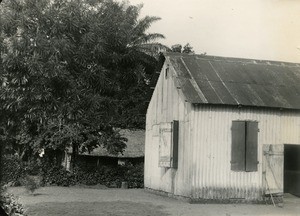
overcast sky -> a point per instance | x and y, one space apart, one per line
260 29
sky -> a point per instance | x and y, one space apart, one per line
257 29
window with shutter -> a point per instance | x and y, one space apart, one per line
244 146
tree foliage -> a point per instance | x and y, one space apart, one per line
185 49
72 71
176 48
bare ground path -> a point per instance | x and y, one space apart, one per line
67 201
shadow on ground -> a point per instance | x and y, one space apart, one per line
95 208
78 201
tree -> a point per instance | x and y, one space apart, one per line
73 71
176 48
186 48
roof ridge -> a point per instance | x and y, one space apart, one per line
249 61
235 59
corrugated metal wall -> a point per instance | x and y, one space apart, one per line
205 144
167 105
212 176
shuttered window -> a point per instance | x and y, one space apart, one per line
244 146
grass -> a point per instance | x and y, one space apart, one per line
121 208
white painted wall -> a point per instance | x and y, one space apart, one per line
212 149
205 145
167 104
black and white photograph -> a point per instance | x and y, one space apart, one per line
149 107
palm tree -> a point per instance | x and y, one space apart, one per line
81 66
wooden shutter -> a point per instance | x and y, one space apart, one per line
165 144
168 146
251 146
175 144
238 132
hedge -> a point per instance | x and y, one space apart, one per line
15 171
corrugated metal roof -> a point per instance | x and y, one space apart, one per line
232 81
135 145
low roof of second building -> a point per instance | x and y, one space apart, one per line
135 145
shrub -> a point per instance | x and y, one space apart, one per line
19 173
135 176
57 175
33 167
11 204
31 183
110 176
13 169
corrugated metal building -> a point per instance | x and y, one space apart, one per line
221 128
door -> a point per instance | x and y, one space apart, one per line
273 169
292 169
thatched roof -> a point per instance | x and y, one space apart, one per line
135 145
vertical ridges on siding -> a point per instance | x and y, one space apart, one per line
204 150
212 144
167 105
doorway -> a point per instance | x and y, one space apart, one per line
292 169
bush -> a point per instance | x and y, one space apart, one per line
31 183
17 172
11 204
110 176
57 175
135 176
33 167
13 169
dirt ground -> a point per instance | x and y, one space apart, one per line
79 201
